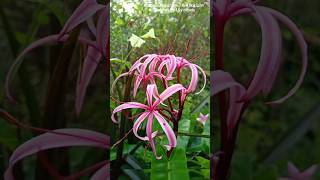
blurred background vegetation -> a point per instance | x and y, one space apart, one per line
22 22
269 137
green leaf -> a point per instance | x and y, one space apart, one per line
121 62
184 126
8 135
205 166
174 168
136 41
119 22
43 18
149 34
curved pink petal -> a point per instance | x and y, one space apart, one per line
89 67
171 63
84 11
127 105
137 124
116 80
167 130
267 49
150 93
17 62
138 63
52 39
303 48
150 135
194 78
222 80
308 173
56 139
173 66
167 93
275 61
146 62
102 174
136 85
204 76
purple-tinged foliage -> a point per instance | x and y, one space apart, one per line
296 174
56 139
96 48
240 96
271 48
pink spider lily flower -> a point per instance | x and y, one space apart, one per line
202 118
296 174
182 63
271 49
222 81
97 47
151 111
152 66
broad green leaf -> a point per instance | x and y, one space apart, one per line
184 126
174 168
136 41
134 168
205 166
149 34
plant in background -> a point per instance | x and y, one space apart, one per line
93 36
59 138
262 81
91 20
149 71
296 174
203 118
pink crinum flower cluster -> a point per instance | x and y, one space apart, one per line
238 95
270 56
167 69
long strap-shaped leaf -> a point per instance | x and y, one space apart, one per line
84 11
89 67
102 173
52 39
56 139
